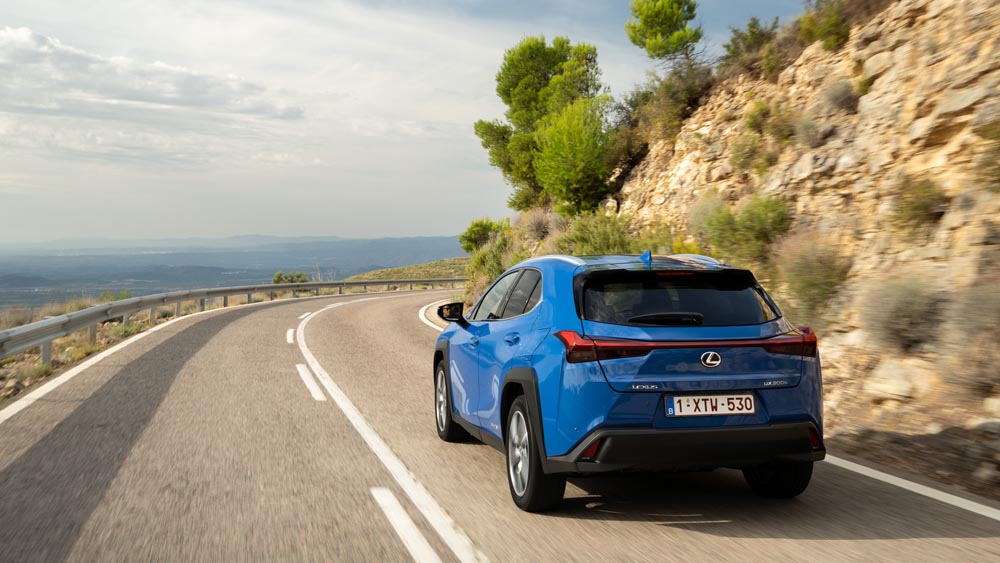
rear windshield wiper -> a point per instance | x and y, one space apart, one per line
678 318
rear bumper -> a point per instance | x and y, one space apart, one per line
648 449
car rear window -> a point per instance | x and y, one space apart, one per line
675 298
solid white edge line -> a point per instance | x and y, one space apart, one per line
415 542
290 336
917 488
307 378
423 315
304 315
924 490
447 529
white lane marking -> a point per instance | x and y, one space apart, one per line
423 315
926 491
415 542
917 488
307 378
304 315
442 523
290 336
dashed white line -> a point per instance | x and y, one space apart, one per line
917 488
415 542
290 336
307 378
304 315
443 524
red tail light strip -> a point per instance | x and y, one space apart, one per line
582 349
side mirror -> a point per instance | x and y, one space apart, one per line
453 313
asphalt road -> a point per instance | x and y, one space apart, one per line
202 441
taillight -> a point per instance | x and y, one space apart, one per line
591 452
804 345
814 440
581 349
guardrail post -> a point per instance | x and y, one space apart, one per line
453 285
272 296
177 309
316 292
92 334
225 300
340 290
249 298
364 288
201 304
152 316
47 353
125 319
411 287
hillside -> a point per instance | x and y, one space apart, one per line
887 171
447 268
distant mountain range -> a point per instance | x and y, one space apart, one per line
56 270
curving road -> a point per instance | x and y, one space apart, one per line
303 430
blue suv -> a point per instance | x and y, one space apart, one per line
578 366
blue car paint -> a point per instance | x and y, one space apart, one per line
577 398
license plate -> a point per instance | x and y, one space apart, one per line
705 405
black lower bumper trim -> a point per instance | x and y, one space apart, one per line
699 448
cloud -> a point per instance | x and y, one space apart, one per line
61 78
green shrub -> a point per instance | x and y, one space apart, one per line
765 161
290 277
121 331
596 234
479 232
974 353
701 213
920 202
841 95
676 97
534 223
490 260
864 85
900 313
757 116
744 150
663 240
988 167
807 133
36 372
745 49
109 296
781 123
728 115
826 21
746 235
812 271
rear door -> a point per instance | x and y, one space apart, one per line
501 343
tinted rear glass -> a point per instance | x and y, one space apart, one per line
668 298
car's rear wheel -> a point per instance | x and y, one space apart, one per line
779 479
530 487
447 429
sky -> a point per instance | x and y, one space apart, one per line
181 118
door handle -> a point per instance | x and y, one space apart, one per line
474 341
512 338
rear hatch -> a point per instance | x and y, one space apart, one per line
685 331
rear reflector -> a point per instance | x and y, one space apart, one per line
814 440
582 349
591 451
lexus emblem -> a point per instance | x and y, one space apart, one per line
711 359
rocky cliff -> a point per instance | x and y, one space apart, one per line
925 75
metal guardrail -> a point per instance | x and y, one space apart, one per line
42 333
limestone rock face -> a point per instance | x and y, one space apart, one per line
934 71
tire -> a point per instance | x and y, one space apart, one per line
530 487
779 479
447 429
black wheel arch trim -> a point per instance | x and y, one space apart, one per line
528 381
